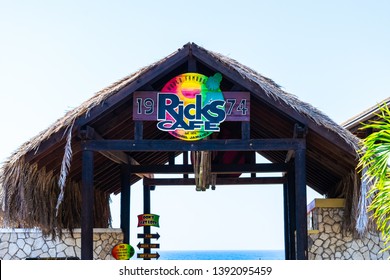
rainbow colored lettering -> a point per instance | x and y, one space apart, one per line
191 106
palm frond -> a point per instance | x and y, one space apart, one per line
65 167
374 165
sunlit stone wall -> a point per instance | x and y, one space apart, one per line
16 244
327 241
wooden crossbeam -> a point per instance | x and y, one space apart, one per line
215 168
115 156
219 181
209 145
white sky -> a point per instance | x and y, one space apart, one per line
56 54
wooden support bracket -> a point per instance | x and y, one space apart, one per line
300 131
89 133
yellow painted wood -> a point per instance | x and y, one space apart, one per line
326 203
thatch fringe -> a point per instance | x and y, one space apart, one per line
33 202
364 201
356 218
202 163
65 167
349 188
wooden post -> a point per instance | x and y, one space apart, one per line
301 204
292 210
125 202
147 211
252 160
171 158
286 210
185 161
87 194
289 213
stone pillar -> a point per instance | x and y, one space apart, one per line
327 241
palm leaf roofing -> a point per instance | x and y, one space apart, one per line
28 179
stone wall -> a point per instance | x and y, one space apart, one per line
327 241
16 244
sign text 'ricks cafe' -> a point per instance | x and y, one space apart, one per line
191 106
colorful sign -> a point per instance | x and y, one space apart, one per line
191 106
148 220
122 251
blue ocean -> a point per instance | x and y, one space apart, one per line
223 255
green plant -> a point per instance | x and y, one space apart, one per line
375 162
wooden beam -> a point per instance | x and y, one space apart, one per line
115 156
89 133
220 181
326 203
87 205
215 168
207 145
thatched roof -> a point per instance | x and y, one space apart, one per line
29 178
355 123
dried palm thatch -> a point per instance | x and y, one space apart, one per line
356 216
29 195
202 168
32 203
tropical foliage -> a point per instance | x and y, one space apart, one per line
374 163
